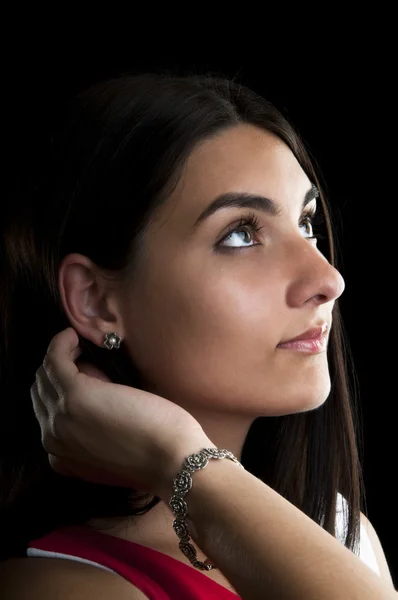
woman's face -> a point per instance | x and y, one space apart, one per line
204 315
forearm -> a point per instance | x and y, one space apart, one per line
268 548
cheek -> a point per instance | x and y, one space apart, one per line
211 342
204 331
241 312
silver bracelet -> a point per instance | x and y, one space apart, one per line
181 486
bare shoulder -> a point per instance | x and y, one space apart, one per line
378 550
38 578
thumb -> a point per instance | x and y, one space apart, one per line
92 371
59 466
62 353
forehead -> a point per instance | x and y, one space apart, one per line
241 159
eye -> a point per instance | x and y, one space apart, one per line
251 223
246 224
312 221
307 222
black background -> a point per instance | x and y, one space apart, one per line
339 93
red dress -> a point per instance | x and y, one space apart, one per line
157 575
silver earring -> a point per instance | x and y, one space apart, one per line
112 341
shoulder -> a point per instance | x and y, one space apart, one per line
377 549
39 578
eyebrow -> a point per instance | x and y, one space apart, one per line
256 202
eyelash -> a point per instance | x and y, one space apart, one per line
252 221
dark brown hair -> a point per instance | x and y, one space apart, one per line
111 162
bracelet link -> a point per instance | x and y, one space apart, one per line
181 486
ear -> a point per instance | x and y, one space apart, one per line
90 300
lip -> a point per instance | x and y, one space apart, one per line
313 340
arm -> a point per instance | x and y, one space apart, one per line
268 548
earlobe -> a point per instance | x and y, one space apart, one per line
112 340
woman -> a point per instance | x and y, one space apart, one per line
181 214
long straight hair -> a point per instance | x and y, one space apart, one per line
111 161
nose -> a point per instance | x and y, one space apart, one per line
314 279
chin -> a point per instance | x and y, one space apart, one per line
313 405
314 401
310 398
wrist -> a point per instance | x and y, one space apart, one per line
182 485
174 463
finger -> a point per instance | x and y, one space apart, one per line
42 417
49 442
44 387
39 408
92 371
58 466
59 361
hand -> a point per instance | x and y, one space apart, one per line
105 432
